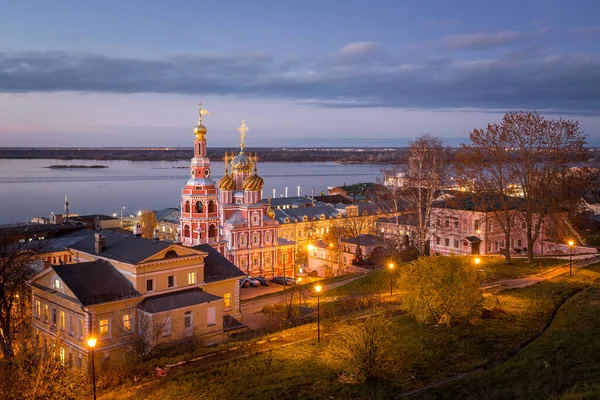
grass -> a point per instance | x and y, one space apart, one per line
421 354
562 364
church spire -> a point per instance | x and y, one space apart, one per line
242 130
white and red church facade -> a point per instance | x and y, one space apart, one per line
230 216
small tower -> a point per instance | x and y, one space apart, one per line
199 202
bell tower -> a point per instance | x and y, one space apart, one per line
199 202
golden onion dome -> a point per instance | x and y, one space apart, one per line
200 131
241 163
253 182
226 182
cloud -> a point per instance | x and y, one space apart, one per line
592 30
484 40
543 80
444 23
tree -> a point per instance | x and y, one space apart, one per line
441 290
18 262
483 167
148 224
539 155
427 164
355 224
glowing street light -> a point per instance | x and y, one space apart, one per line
391 266
318 290
477 261
571 243
91 342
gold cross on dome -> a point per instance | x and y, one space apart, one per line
242 130
201 112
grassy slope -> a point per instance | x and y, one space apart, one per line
564 359
422 354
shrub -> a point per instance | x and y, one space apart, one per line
441 290
360 349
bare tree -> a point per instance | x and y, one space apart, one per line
427 164
355 224
540 157
18 263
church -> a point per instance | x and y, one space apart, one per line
230 216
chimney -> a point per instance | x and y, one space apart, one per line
286 189
99 243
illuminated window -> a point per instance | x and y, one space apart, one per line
191 278
103 327
38 309
227 300
187 320
63 355
63 321
45 312
127 323
56 284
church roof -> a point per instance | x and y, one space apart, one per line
236 218
122 247
95 282
170 214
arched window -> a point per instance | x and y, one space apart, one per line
199 206
171 254
212 207
186 231
212 231
187 207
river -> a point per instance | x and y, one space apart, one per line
27 189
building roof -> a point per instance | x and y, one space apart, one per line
170 215
477 202
236 218
175 300
62 243
95 282
365 240
334 199
122 247
216 267
312 213
295 201
100 217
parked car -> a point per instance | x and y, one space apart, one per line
244 282
262 280
287 281
253 281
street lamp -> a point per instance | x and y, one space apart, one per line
318 290
92 343
122 208
477 261
571 243
478 231
391 270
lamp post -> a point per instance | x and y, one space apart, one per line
92 343
571 243
478 231
331 257
122 208
318 290
391 265
477 261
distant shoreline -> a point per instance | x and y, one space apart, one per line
64 166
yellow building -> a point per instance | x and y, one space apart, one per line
132 294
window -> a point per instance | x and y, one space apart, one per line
171 281
285 258
56 284
166 326
437 240
187 320
103 327
519 243
45 312
149 285
447 222
456 243
71 327
447 242
127 323
191 278
227 300
456 224
80 330
53 316
63 356
476 224
38 309
79 361
211 317
63 321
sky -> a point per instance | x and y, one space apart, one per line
300 73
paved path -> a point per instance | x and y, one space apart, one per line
531 280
